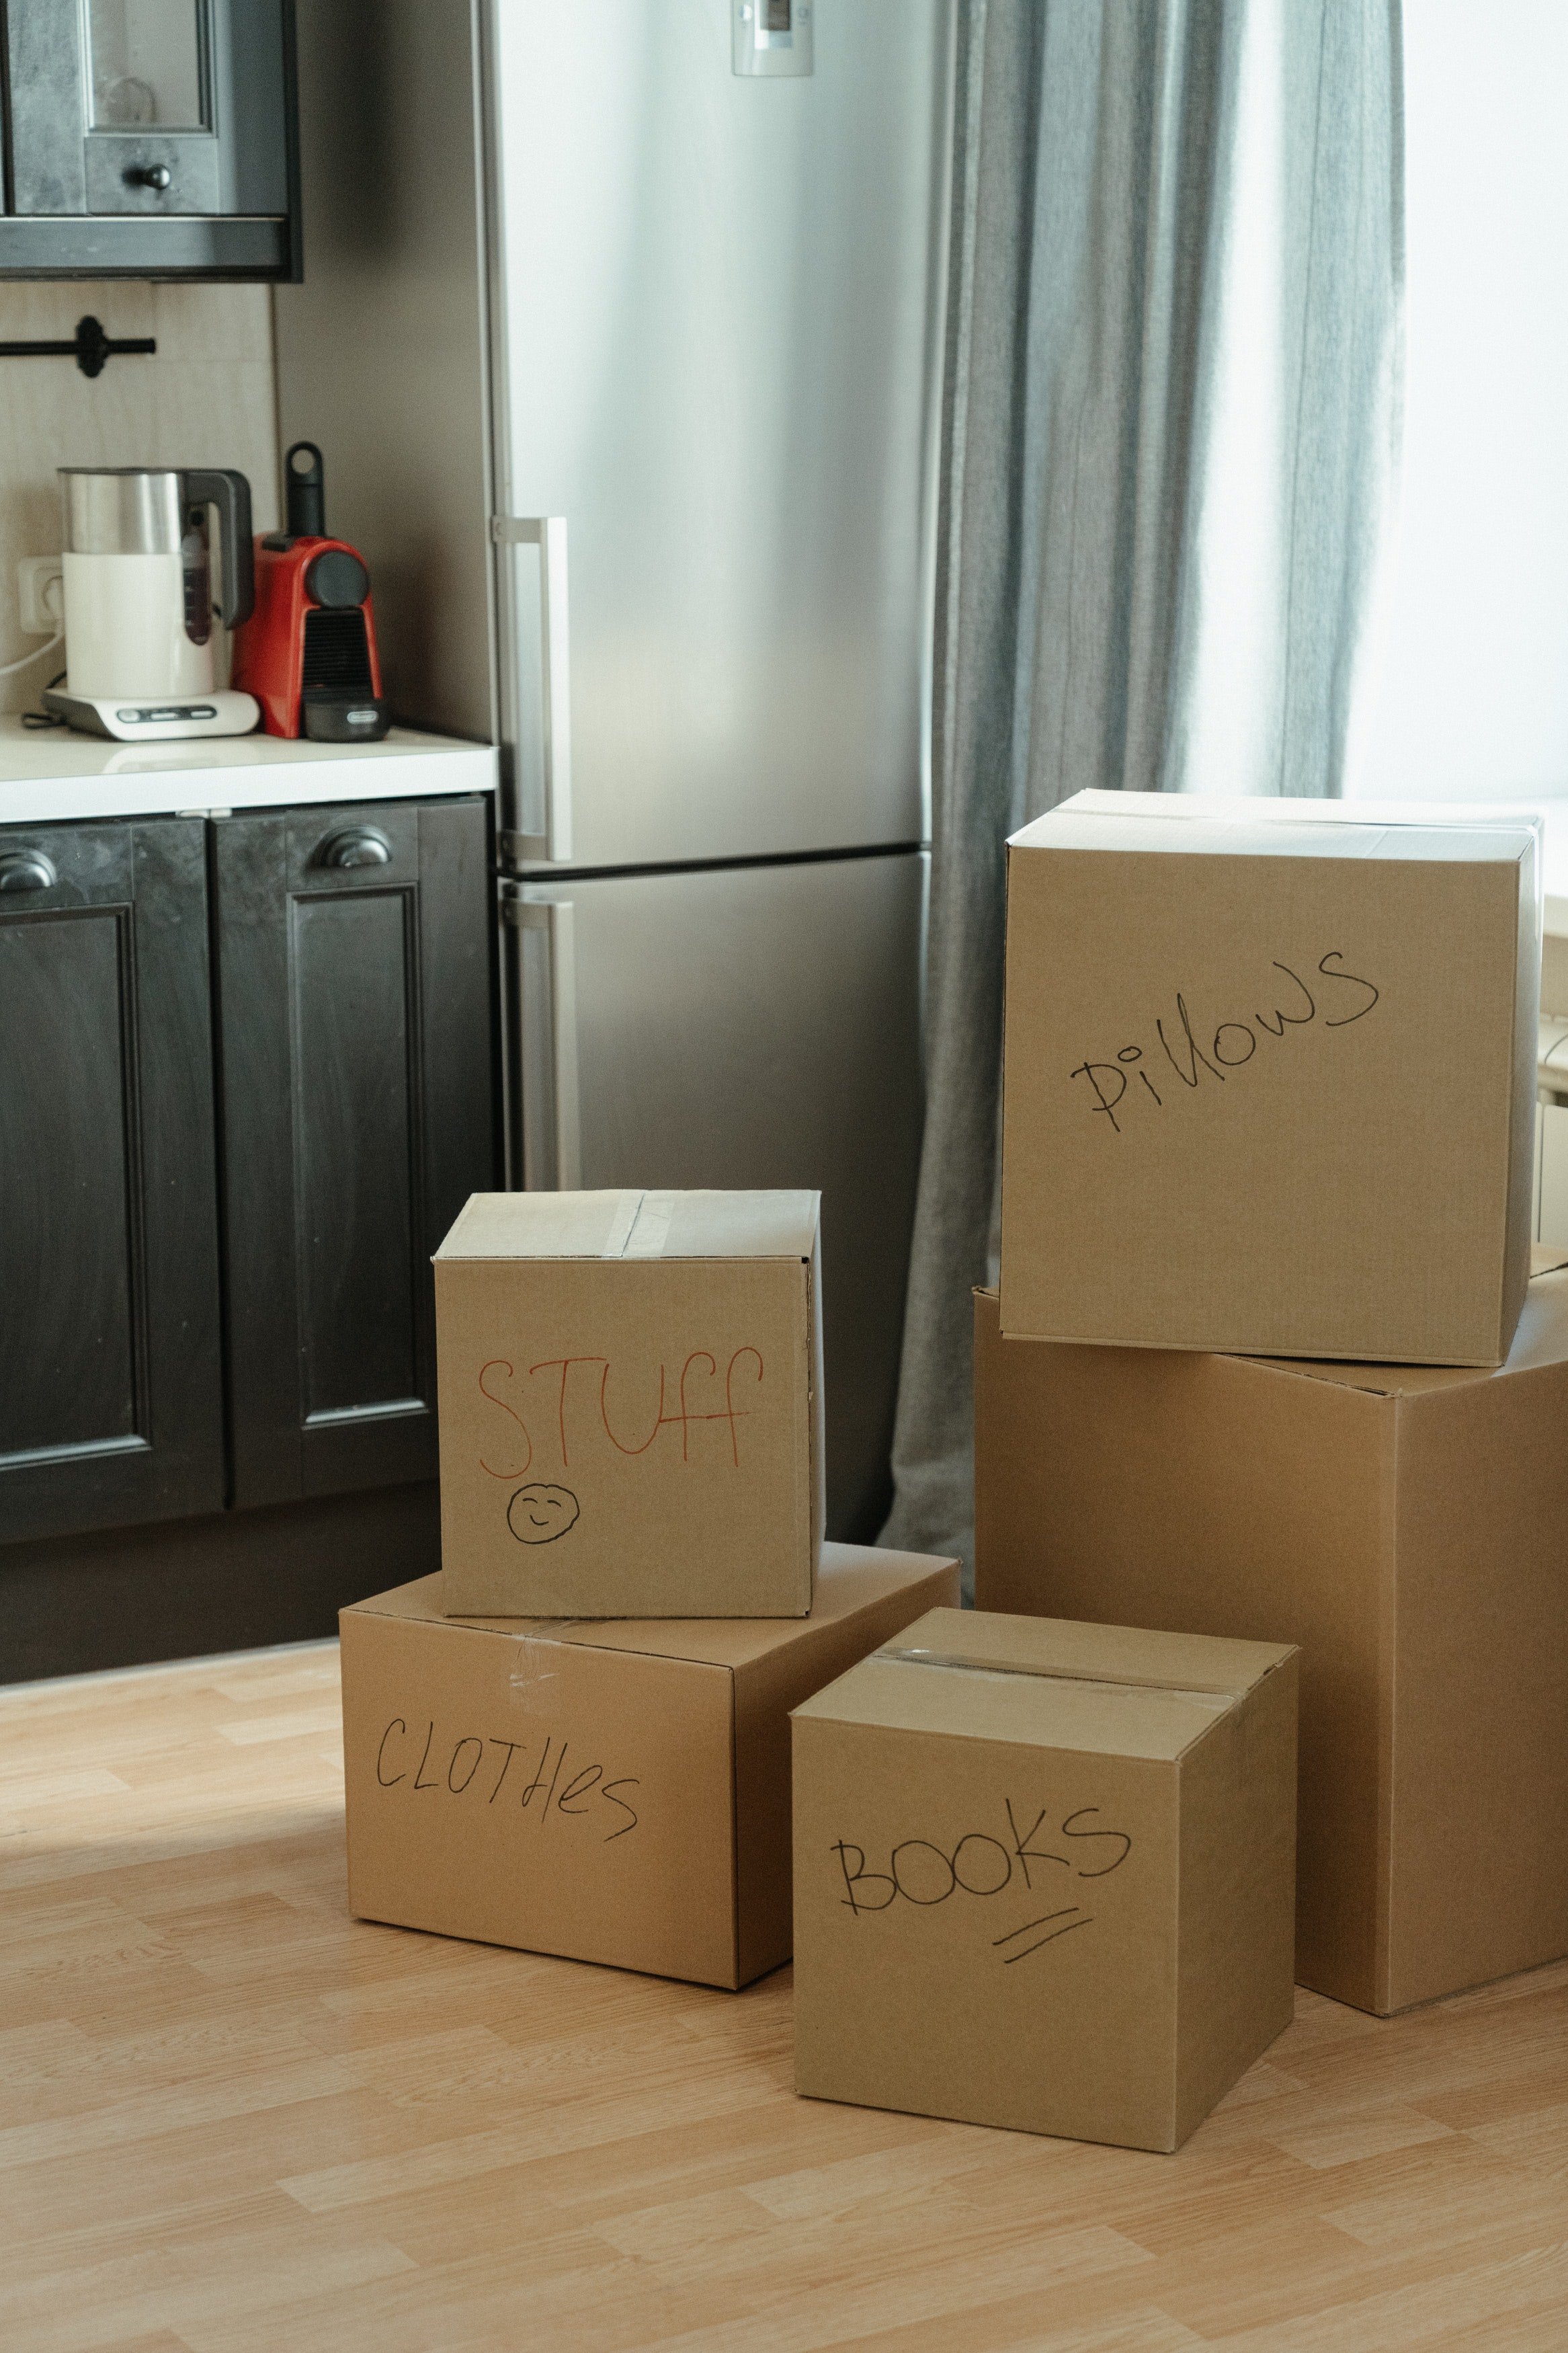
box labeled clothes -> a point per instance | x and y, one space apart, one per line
612 1790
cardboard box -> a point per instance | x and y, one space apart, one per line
1409 1528
631 1405
613 1792
1269 1070
1045 1875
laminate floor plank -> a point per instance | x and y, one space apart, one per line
234 2120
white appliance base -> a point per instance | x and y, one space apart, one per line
224 711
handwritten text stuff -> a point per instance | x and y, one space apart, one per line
1188 1053
563 1411
1043 1856
528 1776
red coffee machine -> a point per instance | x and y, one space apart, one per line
307 652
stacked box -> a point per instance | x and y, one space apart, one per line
1270 1070
576 1740
1265 1221
1404 1526
631 1405
614 1789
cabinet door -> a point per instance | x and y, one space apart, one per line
165 108
111 1393
356 1094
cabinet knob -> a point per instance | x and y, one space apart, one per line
360 846
149 175
27 869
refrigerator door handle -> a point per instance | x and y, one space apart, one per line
547 534
552 1154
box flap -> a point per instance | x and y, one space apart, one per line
1202 824
1050 1684
850 1577
628 1224
1542 1338
541 1225
1205 809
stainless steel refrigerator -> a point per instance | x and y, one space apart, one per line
620 330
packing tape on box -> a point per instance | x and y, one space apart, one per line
649 1232
1216 1696
537 1662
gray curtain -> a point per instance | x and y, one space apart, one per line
1169 448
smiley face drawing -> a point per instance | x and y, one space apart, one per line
538 1514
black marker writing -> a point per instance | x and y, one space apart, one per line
1119 1837
1189 1077
578 1786
1021 1849
856 1879
1275 1027
388 1780
1106 1103
925 1872
511 1748
1135 1054
1069 1916
1336 955
545 1795
1195 1049
610 1789
543 1515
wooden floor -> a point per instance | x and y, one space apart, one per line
235 2121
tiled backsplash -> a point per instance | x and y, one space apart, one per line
206 398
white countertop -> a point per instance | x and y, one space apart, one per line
51 776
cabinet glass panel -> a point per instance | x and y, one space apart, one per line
146 64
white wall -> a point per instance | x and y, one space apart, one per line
1473 697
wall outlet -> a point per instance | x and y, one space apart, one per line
41 595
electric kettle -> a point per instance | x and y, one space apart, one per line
139 609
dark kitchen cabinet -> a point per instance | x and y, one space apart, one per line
111 1397
149 138
247 1081
354 985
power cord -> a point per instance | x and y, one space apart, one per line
40 719
51 601
9 669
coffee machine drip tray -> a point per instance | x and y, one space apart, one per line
224 711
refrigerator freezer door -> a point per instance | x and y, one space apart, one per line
715 304
739 1026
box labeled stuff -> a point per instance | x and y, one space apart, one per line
1406 1526
1268 1078
631 1405
612 1791
1045 1875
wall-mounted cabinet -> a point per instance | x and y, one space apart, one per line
149 139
